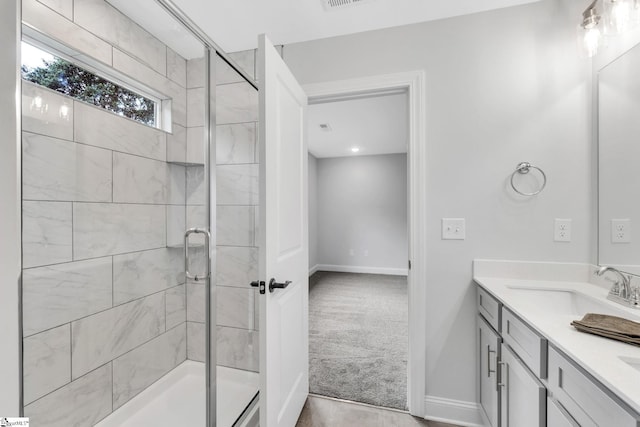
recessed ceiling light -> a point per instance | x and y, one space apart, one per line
325 127
355 149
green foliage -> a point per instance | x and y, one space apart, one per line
64 77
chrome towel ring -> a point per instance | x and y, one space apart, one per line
524 168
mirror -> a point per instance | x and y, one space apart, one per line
618 163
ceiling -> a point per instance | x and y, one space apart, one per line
235 24
375 125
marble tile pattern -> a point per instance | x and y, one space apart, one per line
175 306
235 225
238 348
63 30
135 69
196 188
101 229
237 184
104 297
236 266
136 370
41 112
195 107
57 294
63 7
235 307
116 133
176 67
55 169
139 274
195 73
196 341
177 144
196 302
236 143
102 337
195 145
47 362
80 403
244 59
102 19
46 233
141 180
236 103
176 226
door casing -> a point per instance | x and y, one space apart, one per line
414 83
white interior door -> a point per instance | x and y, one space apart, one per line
284 349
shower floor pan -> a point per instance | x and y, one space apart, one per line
178 399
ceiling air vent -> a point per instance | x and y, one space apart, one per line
340 4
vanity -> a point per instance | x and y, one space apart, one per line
535 369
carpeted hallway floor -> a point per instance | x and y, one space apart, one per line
358 331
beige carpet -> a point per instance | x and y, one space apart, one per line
358 332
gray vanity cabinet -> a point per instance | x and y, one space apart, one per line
489 353
522 395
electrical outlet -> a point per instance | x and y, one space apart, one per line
453 229
620 231
562 230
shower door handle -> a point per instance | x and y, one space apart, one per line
207 237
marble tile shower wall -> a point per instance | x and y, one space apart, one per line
237 200
104 301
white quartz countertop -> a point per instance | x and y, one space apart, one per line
615 364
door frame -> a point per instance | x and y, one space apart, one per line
414 83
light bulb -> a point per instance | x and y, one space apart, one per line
355 149
589 40
617 16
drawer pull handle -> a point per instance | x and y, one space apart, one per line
489 370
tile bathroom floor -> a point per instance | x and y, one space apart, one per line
320 411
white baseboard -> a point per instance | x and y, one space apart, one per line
359 269
314 269
452 411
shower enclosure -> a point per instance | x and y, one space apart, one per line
135 129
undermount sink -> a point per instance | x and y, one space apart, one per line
566 301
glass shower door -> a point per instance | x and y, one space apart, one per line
115 113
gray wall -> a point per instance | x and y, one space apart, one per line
502 87
362 207
313 211
9 210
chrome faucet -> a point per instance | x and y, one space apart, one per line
621 290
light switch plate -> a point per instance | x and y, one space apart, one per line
620 231
453 229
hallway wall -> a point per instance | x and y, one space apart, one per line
362 214
502 87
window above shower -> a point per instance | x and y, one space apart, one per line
50 70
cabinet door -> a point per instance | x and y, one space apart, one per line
488 348
557 416
522 396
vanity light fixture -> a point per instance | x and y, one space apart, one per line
589 34
606 17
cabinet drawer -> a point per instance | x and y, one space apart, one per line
489 307
526 343
587 403
557 416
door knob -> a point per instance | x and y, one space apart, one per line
275 285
